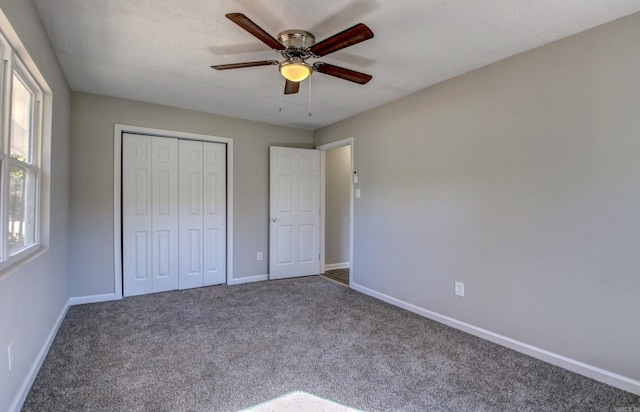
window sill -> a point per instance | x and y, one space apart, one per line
25 257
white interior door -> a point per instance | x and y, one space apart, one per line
173 214
215 213
149 214
294 231
202 213
191 237
136 215
164 213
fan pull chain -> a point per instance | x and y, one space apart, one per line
309 96
280 109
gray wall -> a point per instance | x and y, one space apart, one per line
522 180
92 128
338 191
33 295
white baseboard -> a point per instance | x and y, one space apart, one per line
334 266
590 371
248 279
81 300
21 396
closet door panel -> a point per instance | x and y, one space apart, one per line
165 214
215 213
136 215
191 214
173 214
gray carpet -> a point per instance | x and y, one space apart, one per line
225 348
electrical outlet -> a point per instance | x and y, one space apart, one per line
459 289
259 256
10 355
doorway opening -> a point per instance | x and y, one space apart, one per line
337 204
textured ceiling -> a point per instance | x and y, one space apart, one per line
160 51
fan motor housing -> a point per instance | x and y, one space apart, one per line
296 39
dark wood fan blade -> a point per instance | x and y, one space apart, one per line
346 38
246 23
241 65
291 87
342 73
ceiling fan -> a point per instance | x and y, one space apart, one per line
297 46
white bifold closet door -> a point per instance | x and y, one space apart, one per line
203 191
173 214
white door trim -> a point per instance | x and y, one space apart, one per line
323 156
119 129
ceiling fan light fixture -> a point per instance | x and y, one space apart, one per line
296 46
295 69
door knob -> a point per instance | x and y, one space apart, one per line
274 219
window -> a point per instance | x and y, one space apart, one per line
21 127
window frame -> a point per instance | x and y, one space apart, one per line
12 64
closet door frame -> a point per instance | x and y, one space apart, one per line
119 130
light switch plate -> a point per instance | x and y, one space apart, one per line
459 289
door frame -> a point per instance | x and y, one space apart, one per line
323 156
119 129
